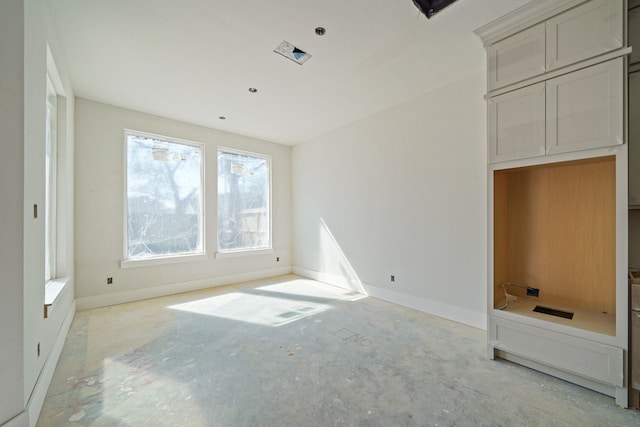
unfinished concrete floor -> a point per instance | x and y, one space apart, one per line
294 352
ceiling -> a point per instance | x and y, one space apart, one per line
194 60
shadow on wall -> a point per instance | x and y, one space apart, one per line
334 262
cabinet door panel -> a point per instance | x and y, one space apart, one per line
583 32
516 124
634 138
634 34
585 108
517 58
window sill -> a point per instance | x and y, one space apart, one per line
52 290
243 252
129 263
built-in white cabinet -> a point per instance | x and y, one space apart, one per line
585 31
517 58
576 111
557 200
585 109
588 30
517 124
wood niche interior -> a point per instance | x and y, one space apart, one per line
555 230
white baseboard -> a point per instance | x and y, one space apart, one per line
104 300
20 420
339 281
42 384
446 311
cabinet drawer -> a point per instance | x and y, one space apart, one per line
516 124
585 108
517 58
588 359
588 30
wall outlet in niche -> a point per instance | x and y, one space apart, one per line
533 292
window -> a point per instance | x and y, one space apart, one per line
164 197
244 207
50 183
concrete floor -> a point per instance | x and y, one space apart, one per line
294 352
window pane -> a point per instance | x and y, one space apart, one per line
164 197
243 201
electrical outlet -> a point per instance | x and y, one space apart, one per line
109 280
277 259
393 278
533 292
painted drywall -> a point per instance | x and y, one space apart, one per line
11 196
401 193
26 32
99 209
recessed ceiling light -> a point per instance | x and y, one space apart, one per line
320 31
253 90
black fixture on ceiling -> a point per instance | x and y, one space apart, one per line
431 7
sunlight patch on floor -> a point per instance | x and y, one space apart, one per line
271 305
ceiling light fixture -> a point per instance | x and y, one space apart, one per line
253 90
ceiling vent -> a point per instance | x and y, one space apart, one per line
295 54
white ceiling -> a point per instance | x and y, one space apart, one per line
194 60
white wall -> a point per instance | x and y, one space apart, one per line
25 32
11 196
402 192
99 210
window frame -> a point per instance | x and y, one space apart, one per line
51 183
230 253
168 258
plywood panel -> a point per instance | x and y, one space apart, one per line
561 232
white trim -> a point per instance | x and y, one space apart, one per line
436 308
52 70
523 17
52 290
34 406
105 300
243 252
174 259
560 72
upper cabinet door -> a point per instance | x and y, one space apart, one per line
517 58
583 32
516 124
585 109
634 34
